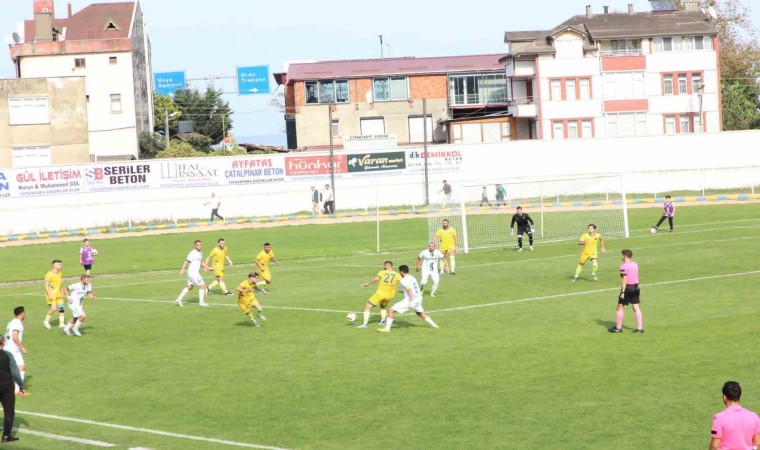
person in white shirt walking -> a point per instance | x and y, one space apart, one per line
215 203
329 198
193 264
412 300
14 338
428 259
77 293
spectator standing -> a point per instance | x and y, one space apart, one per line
446 194
316 197
501 194
215 203
484 197
329 200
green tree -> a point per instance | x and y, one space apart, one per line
162 104
179 149
211 115
151 144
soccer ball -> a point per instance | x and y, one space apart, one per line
351 317
94 252
653 230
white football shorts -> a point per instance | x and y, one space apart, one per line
195 279
405 305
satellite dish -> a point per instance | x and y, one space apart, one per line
16 37
711 12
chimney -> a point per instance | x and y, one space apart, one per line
43 20
69 5
606 9
630 8
588 11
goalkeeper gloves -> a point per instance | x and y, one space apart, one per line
532 228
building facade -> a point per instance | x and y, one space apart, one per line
441 99
43 121
616 74
106 44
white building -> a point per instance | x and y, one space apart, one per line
616 74
108 45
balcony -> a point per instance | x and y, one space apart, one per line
521 69
621 53
523 107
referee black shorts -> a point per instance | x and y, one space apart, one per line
630 295
521 230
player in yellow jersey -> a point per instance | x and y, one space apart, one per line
262 262
247 299
446 237
217 256
387 280
55 292
590 242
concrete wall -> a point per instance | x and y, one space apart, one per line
66 134
703 161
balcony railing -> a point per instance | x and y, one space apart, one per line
477 99
619 53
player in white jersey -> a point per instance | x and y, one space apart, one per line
14 338
77 293
429 259
412 300
193 264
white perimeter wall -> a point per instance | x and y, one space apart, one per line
459 164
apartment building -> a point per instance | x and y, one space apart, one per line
107 44
464 100
616 74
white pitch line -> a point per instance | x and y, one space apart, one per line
150 431
595 291
58 437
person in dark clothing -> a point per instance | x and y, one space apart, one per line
524 225
9 374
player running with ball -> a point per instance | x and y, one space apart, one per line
524 225
431 256
412 300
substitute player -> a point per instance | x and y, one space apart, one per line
668 212
55 293
590 242
629 293
14 341
524 225
247 298
412 300
446 237
387 280
262 262
431 256
193 264
217 256
77 293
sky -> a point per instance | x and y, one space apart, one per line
213 38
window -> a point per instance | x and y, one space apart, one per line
585 88
31 156
696 82
682 84
556 90
28 110
335 128
111 60
79 63
327 91
682 43
558 128
626 124
115 103
372 126
697 124
386 89
417 128
667 44
587 128
572 129
670 124
477 89
623 85
683 124
570 89
667 84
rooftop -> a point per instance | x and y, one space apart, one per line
98 21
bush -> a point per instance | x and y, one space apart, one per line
181 150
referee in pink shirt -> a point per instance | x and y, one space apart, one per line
629 293
734 428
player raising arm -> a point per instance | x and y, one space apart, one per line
387 280
524 225
590 242
431 256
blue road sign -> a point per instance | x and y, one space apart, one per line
253 80
167 83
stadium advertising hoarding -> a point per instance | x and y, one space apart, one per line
5 184
314 166
185 173
117 177
376 162
437 160
254 170
48 181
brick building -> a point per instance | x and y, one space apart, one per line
465 100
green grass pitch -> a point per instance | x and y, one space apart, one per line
522 360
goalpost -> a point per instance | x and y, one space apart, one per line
561 208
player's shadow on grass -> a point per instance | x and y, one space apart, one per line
246 323
607 324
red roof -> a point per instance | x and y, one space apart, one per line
360 68
92 22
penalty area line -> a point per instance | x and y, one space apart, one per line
147 431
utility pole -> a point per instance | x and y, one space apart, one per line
332 154
425 150
166 126
381 45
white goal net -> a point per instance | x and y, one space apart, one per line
560 208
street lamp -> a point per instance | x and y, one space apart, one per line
166 124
